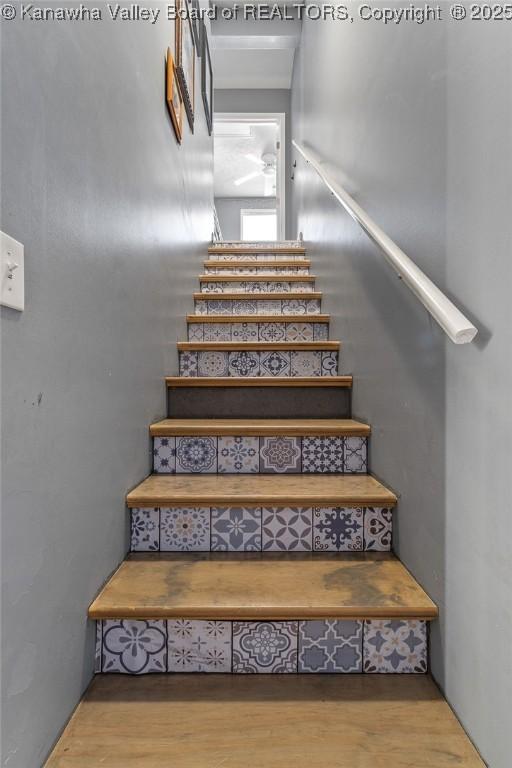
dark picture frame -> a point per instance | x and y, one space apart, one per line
186 58
196 24
206 78
173 97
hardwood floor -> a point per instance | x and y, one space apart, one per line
264 721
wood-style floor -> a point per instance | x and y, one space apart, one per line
264 721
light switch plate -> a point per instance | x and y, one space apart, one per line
12 273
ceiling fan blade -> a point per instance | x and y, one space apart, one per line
255 159
249 176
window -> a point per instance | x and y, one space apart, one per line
259 224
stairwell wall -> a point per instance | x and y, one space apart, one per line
414 122
115 218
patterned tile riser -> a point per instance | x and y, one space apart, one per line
279 331
259 286
256 270
218 306
254 455
328 646
252 363
261 529
259 257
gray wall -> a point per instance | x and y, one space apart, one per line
115 219
265 100
477 672
229 208
417 127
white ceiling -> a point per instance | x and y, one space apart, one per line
232 163
253 54
253 69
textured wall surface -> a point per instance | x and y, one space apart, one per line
265 100
115 219
416 126
477 627
229 210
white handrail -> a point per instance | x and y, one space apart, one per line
444 311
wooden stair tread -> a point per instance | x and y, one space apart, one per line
269 278
251 249
275 721
345 427
223 263
264 345
258 318
259 381
261 490
262 586
246 296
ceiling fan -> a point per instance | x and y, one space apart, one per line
267 168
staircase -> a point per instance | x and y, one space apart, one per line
261 551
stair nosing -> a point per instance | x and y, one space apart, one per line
258 345
261 278
252 250
259 427
201 492
354 614
227 263
243 296
320 319
345 382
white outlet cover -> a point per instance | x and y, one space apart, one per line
12 273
